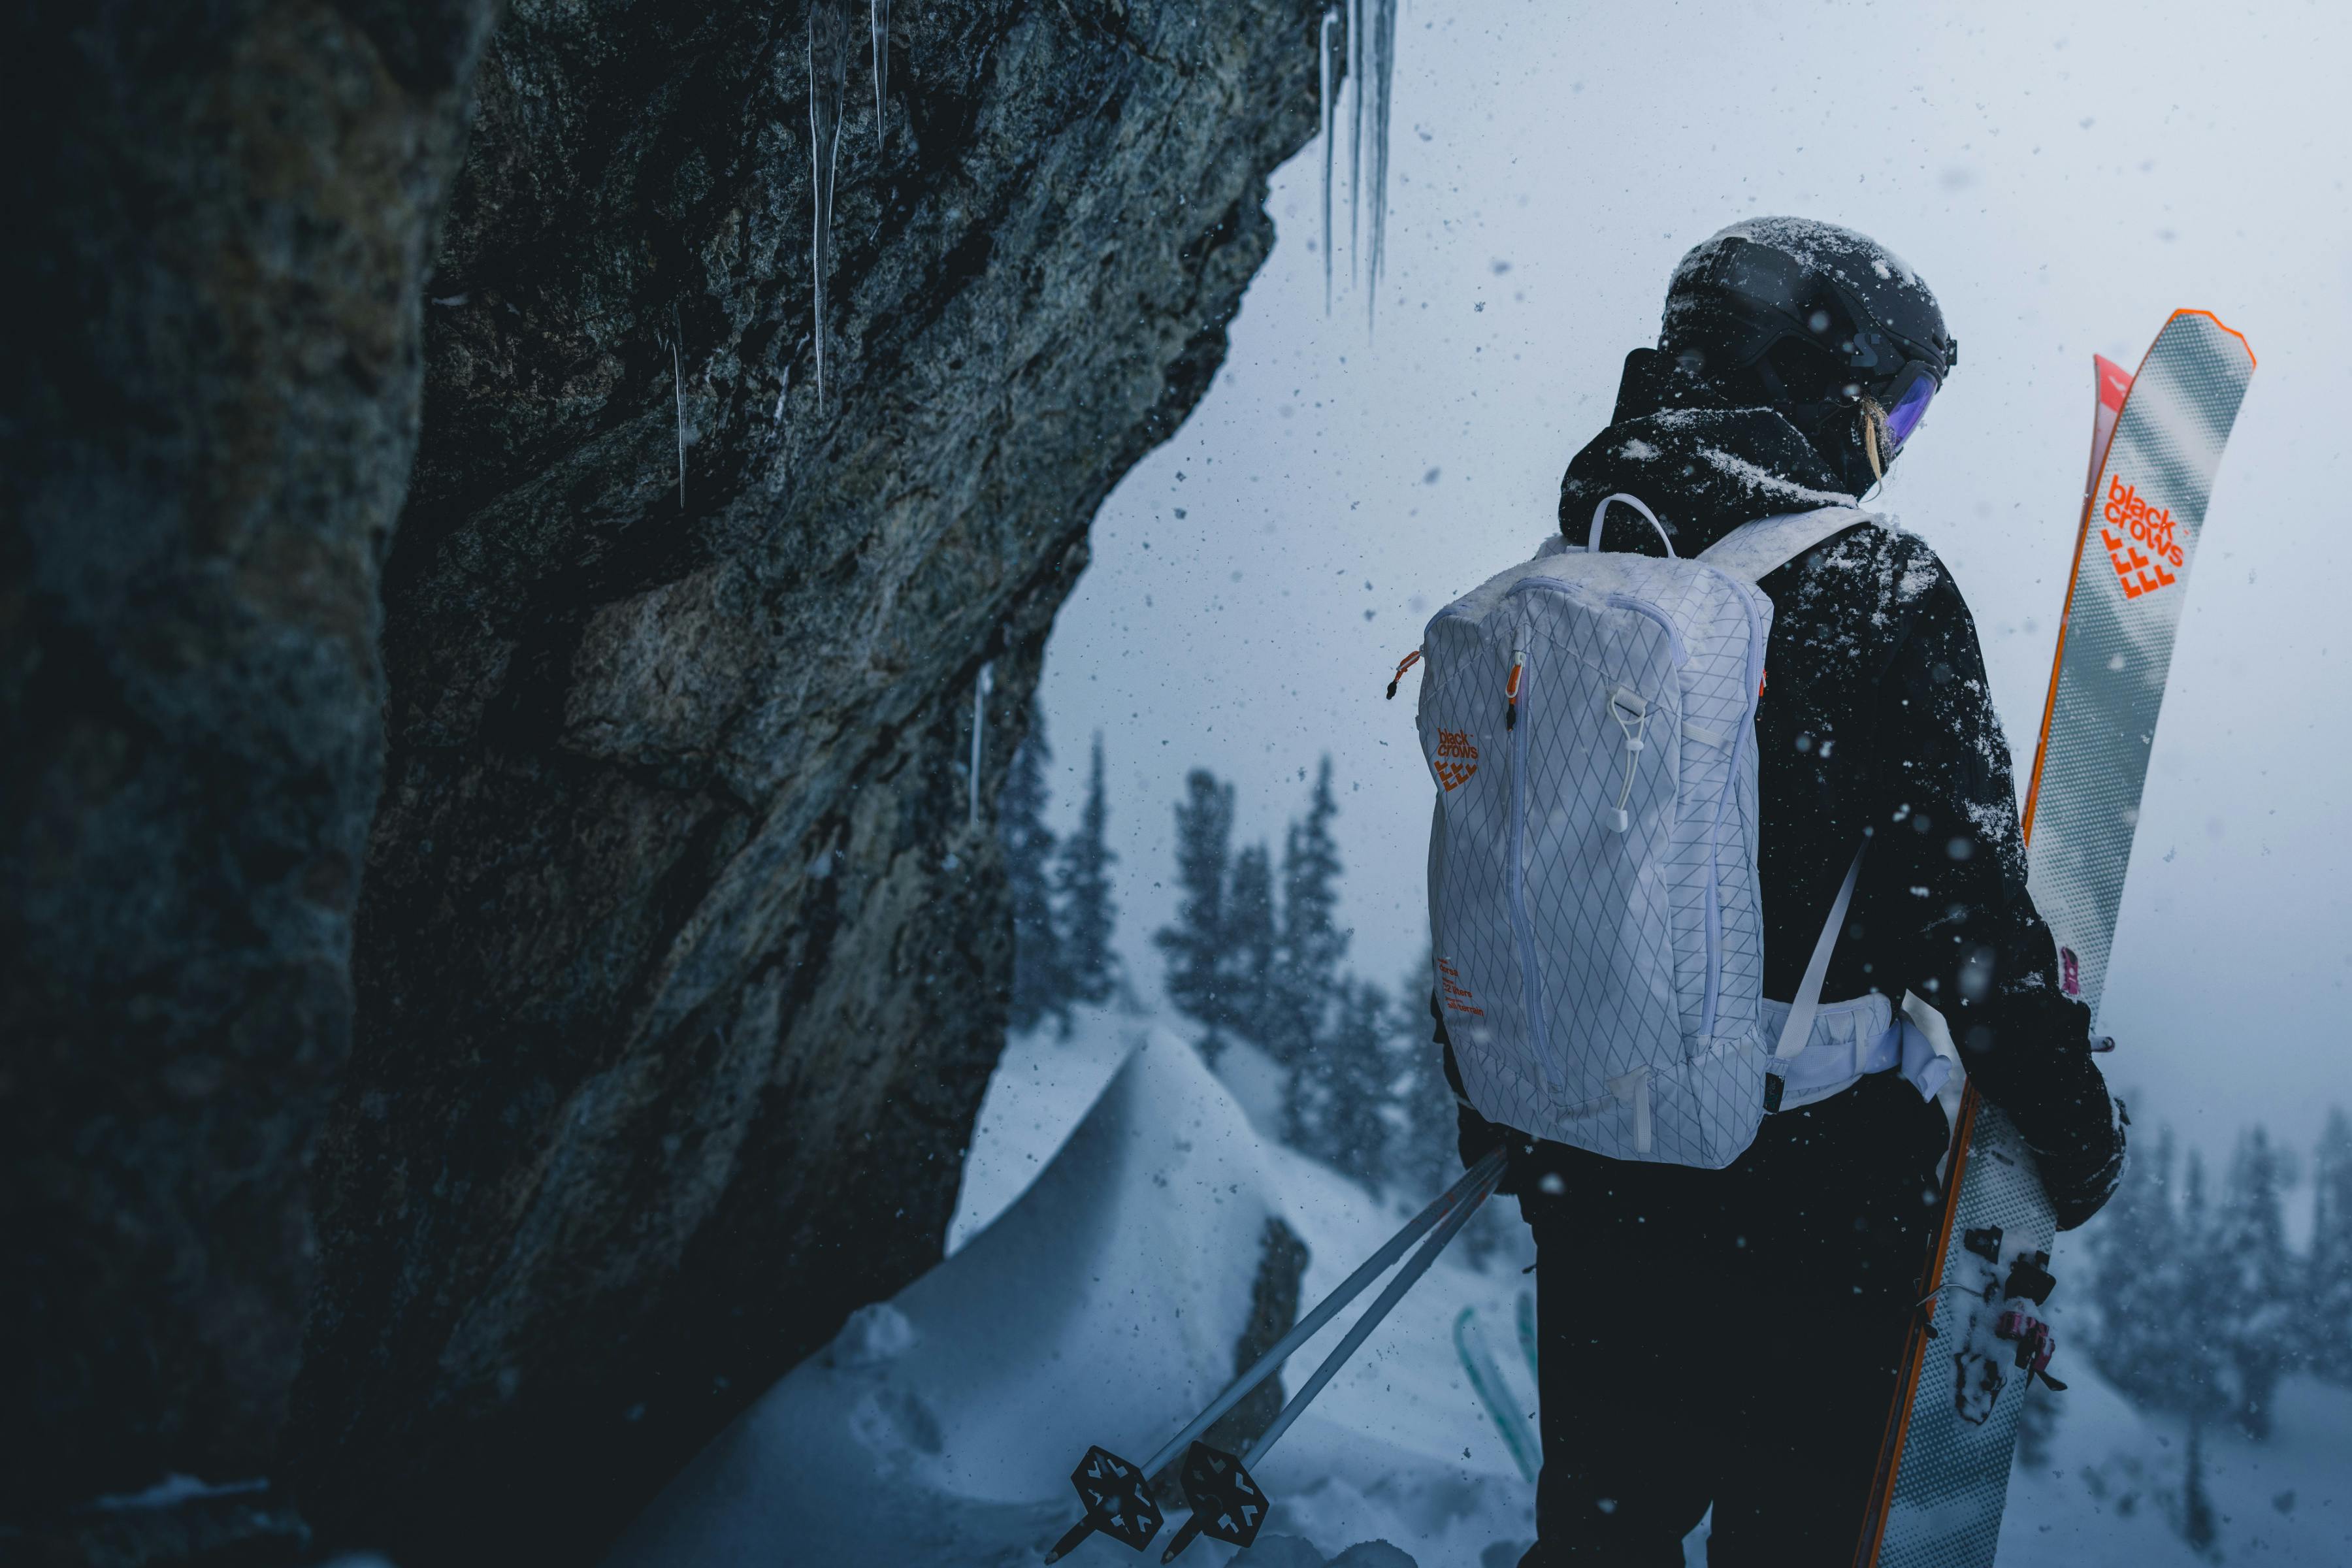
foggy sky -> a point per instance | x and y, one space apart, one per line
2062 177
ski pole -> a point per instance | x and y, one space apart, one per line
1122 1507
1226 1500
1483 1175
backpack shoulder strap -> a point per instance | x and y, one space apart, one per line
1799 1030
1754 550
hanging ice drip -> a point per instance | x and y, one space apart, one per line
1368 35
831 25
828 68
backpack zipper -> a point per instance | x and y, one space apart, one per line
1530 993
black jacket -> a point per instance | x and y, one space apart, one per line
1875 717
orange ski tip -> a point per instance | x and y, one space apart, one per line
2190 310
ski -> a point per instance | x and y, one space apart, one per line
1487 1382
1943 1470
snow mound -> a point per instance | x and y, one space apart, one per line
1290 1552
938 1429
1103 1306
1041 1088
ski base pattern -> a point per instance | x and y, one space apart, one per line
1943 1471
1946 1510
1588 720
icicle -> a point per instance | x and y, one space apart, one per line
678 385
1355 125
828 58
1327 62
982 683
1378 56
881 59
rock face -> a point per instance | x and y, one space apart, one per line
682 946
221 219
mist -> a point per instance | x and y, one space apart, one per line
2062 180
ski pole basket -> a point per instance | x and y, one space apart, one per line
1227 1504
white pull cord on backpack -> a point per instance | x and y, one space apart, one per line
1621 703
1592 539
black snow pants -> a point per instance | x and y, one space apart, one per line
1726 1338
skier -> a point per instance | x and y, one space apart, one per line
1728 1338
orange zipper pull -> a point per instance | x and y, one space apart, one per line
1402 665
1511 689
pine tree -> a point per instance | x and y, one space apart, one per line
2137 1265
1307 982
2328 1289
1427 1156
2200 1375
2257 1281
1038 987
1354 1066
2037 1425
2200 1386
2197 1523
1088 918
1251 939
1307 989
1195 943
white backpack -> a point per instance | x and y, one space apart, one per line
1590 721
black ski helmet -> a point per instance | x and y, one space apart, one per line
1825 325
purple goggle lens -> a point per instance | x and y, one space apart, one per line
1910 408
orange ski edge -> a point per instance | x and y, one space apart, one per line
1914 1347
2191 311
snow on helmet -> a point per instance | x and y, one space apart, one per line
1827 326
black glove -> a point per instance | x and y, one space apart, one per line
2080 1180
1475 1137
2040 1066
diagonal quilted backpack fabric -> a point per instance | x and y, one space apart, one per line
1588 719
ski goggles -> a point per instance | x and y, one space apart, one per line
1913 389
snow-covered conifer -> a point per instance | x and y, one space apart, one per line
1307 981
1250 941
1038 991
2134 1256
2328 1289
1356 1070
2250 1248
1088 918
1195 942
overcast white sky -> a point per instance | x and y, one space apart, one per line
2063 176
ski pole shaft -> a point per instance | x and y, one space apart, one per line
1481 1177
1379 1309
1488 1171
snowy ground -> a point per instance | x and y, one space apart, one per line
1098 1275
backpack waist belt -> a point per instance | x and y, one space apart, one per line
1850 1040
